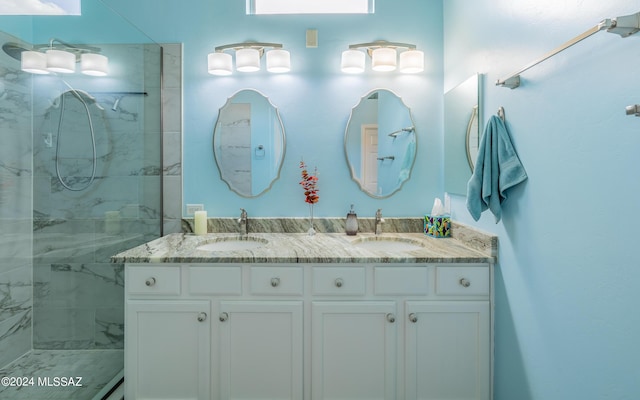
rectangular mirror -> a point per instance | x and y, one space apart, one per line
462 111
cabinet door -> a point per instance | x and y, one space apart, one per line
261 350
353 352
167 351
448 350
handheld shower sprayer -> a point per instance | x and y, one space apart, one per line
116 103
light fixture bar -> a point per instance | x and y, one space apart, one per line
384 57
77 49
381 43
260 46
248 55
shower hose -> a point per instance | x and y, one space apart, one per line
93 143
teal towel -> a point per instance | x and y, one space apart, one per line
497 169
407 161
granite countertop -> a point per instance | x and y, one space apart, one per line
469 246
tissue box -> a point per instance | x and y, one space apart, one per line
438 226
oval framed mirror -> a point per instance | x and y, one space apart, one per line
462 113
380 143
249 143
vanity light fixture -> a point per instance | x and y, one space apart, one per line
384 57
248 56
62 57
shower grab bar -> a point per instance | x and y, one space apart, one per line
624 26
386 158
124 93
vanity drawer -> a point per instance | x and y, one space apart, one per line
277 280
153 280
462 280
339 280
215 280
401 280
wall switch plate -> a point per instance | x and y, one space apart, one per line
312 38
192 208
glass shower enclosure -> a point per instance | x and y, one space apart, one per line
80 180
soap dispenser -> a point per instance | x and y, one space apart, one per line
352 222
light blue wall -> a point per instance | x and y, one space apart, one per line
567 320
314 100
566 283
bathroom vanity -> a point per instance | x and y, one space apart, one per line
289 316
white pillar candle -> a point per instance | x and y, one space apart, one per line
200 225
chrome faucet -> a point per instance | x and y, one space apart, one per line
379 221
242 221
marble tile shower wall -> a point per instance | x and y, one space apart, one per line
78 293
172 137
15 209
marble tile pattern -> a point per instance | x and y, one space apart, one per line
96 368
301 248
172 137
16 194
78 292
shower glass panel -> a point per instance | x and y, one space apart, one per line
80 180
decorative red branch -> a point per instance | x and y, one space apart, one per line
309 183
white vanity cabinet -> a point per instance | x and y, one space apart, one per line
308 332
353 352
260 350
167 347
447 352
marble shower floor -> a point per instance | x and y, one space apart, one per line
49 367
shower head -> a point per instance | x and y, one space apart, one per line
14 50
115 103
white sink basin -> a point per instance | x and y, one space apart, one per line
233 244
388 244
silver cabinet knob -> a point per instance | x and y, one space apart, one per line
391 318
275 282
413 318
223 316
339 282
150 281
464 282
202 317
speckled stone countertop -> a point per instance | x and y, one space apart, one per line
466 246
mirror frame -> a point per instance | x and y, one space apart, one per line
284 143
346 154
463 108
474 118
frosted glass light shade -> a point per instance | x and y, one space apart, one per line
34 62
247 60
61 61
411 61
220 64
352 62
383 59
94 64
278 61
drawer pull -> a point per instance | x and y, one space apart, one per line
391 318
275 282
413 318
464 282
223 316
202 317
339 282
150 281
